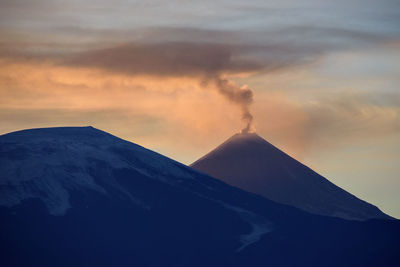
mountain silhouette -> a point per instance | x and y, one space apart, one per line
78 196
251 163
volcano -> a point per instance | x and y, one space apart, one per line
251 163
78 196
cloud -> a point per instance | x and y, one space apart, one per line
350 116
341 120
173 115
176 108
148 76
164 59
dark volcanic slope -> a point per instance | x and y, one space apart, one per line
251 163
82 197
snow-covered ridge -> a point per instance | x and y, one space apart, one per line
47 163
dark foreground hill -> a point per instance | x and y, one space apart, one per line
82 197
251 163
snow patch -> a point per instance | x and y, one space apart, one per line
259 225
258 230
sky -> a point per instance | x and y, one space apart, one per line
318 79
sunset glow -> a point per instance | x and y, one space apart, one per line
180 77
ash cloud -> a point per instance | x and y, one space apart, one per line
206 61
165 59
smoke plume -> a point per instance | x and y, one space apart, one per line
243 96
207 61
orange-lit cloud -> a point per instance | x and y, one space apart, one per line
181 107
182 93
325 121
177 115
